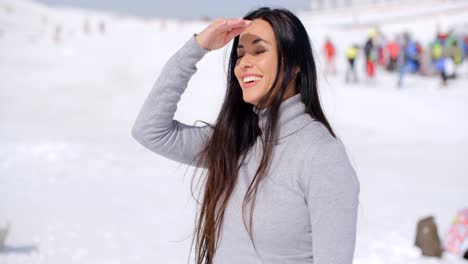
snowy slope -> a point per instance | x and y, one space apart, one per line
76 188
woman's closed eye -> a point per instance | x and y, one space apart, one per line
257 52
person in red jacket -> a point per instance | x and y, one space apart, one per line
393 49
370 56
329 51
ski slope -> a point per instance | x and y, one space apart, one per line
76 188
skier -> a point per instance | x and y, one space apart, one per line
454 51
446 68
441 60
382 56
102 27
411 58
369 54
465 45
329 51
57 34
351 55
393 50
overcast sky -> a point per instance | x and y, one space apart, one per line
181 9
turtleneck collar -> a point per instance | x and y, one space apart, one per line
292 116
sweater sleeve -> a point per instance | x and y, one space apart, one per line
332 191
155 127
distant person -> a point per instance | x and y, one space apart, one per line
102 27
57 34
441 60
465 45
270 151
425 63
351 56
411 59
393 50
369 54
329 51
454 50
442 36
446 69
437 50
381 43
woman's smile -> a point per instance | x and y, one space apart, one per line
249 80
250 84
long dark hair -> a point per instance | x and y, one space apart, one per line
236 127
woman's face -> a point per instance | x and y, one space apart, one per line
256 66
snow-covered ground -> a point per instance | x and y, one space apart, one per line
76 188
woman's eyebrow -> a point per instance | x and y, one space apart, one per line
255 41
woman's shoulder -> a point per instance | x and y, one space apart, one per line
325 159
314 134
316 144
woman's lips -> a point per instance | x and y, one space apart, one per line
250 84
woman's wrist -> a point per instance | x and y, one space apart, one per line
198 43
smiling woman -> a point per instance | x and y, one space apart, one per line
270 151
257 61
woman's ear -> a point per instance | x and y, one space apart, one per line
297 69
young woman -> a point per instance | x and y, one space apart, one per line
279 186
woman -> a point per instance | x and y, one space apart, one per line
279 187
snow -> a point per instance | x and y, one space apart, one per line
76 188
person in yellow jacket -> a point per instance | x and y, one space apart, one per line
454 51
351 55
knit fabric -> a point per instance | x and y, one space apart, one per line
306 207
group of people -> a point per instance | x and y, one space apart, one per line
402 55
87 29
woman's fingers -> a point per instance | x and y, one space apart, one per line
234 32
230 24
217 34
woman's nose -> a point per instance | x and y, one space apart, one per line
245 61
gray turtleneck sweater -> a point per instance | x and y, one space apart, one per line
306 208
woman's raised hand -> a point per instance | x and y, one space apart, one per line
220 32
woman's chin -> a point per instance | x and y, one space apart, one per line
250 98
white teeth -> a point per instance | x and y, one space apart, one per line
251 79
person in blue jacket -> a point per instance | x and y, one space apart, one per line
411 58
